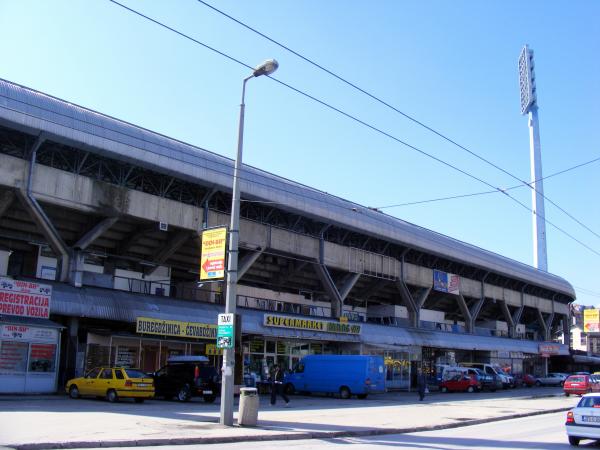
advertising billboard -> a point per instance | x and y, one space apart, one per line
591 321
212 258
446 282
24 298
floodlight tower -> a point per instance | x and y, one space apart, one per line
529 106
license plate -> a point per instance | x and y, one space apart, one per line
594 419
206 392
142 385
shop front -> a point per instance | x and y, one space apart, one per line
29 342
154 342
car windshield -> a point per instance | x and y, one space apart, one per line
579 379
132 373
589 402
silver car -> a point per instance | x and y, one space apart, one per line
583 421
552 379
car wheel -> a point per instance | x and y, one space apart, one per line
139 400
289 389
74 392
345 392
538 383
574 441
183 395
362 396
567 394
444 389
209 398
470 389
112 396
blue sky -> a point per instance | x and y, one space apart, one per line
451 65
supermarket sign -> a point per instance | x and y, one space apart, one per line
24 298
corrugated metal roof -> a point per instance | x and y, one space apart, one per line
376 334
126 307
33 111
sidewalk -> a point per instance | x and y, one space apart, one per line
60 422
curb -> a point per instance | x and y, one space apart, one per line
276 437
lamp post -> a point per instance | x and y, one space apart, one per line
226 418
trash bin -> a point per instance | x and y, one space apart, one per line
248 413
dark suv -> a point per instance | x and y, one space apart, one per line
185 377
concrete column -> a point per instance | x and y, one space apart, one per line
542 323
337 296
507 317
566 329
246 262
466 313
71 348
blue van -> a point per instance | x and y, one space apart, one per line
347 375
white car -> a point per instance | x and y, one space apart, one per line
583 421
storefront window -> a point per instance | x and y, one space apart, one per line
42 358
126 356
13 357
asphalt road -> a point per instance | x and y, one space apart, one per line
543 432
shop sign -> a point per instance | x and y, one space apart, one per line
147 325
591 320
212 350
225 331
27 333
548 349
212 257
272 320
24 298
446 282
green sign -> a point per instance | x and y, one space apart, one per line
225 336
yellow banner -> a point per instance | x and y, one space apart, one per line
212 350
591 320
212 258
147 325
272 320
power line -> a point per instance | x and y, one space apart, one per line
395 109
357 120
439 199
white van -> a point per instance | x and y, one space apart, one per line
491 370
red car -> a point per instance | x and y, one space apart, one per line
581 384
459 381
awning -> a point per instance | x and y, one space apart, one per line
110 304
30 321
584 359
386 335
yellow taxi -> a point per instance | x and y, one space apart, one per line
112 383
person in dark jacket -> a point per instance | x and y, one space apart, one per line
421 384
277 386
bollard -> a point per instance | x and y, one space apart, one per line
248 413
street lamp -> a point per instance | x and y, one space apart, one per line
226 418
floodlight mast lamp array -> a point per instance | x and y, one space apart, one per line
226 416
529 106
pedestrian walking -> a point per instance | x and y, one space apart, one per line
421 384
277 386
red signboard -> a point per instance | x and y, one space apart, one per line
24 298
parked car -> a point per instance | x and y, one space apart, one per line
487 381
459 380
112 383
581 384
185 377
583 421
527 380
346 375
552 379
491 370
